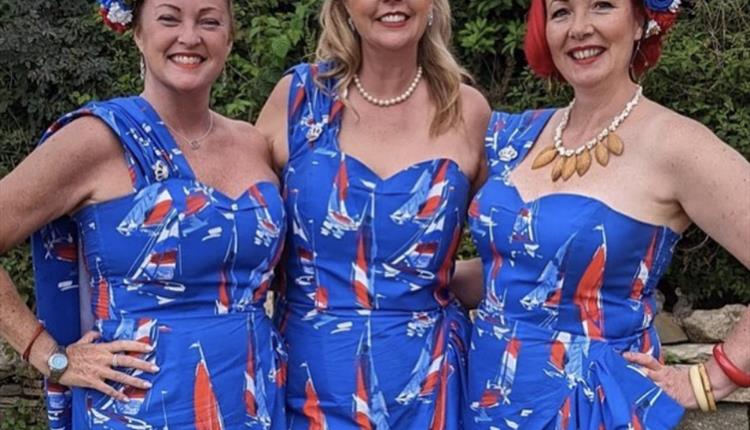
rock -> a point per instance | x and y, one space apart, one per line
669 330
687 353
11 390
713 325
660 299
740 396
729 417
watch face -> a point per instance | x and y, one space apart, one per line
58 361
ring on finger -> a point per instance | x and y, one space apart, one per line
114 360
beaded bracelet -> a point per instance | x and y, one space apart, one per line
27 351
734 373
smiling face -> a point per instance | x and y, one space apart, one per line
591 41
389 24
184 43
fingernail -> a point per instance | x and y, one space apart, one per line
155 368
125 399
149 348
147 384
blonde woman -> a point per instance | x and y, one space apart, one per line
380 144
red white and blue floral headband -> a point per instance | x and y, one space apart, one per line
117 14
662 14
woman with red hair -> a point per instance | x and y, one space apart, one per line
575 226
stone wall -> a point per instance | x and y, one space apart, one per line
688 339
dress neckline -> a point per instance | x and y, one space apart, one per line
532 135
186 170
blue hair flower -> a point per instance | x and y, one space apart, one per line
662 5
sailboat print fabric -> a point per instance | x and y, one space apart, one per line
569 285
375 339
177 265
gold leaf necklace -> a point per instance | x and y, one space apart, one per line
578 160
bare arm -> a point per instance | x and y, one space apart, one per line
467 282
711 182
56 179
272 121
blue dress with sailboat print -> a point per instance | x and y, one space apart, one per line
568 288
375 339
177 265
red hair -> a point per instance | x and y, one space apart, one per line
540 60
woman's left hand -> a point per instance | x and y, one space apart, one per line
673 380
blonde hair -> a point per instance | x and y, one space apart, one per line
340 46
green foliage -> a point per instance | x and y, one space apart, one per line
24 414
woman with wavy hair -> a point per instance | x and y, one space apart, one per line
380 145
577 223
159 226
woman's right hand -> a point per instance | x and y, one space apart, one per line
91 364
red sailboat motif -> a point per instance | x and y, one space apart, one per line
205 405
441 408
311 409
58 246
563 422
436 195
442 293
558 356
437 359
267 229
498 389
227 281
368 403
102 295
644 269
588 296
548 293
338 219
360 278
419 194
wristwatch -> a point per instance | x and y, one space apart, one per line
58 364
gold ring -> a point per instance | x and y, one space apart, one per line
114 360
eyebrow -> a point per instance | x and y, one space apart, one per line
200 11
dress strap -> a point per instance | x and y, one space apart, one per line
314 108
55 247
510 137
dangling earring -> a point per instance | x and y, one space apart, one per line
143 70
430 18
351 24
631 69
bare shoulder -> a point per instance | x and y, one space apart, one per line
278 99
86 139
476 109
678 135
245 134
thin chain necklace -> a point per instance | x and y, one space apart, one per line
578 160
392 101
194 143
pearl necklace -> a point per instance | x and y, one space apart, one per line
570 161
195 143
392 101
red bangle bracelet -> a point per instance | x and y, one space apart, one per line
27 351
734 373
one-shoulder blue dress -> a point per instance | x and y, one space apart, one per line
569 285
375 340
177 265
